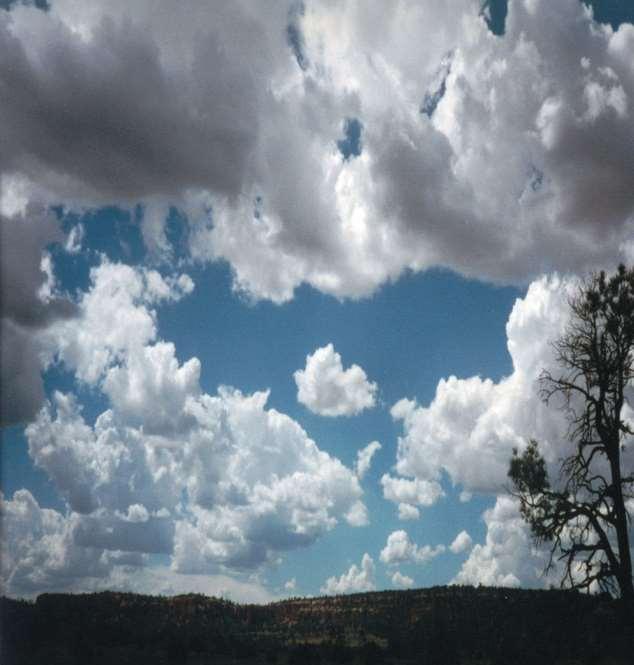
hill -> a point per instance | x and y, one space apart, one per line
441 625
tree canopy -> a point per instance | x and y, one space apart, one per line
584 518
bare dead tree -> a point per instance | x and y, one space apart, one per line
585 518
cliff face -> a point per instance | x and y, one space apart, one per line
451 625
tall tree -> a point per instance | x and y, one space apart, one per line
585 518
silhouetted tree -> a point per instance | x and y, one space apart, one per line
585 519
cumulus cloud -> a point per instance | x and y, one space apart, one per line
248 150
271 488
408 512
428 188
364 458
402 581
461 543
162 580
357 579
232 145
256 483
118 321
327 389
162 132
410 493
216 481
471 426
105 465
400 549
40 551
507 558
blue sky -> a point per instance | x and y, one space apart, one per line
296 224
456 326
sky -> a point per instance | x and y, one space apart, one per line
277 286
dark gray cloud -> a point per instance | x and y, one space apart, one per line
154 536
22 390
23 238
109 117
25 310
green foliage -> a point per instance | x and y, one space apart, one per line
530 479
528 470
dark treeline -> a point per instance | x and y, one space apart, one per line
439 626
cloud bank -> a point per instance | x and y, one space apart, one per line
241 118
333 145
216 482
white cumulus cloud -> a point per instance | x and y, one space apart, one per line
410 493
214 481
507 558
326 388
357 579
400 549
472 425
402 581
461 543
408 512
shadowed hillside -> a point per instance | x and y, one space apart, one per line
442 625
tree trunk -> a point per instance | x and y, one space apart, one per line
625 558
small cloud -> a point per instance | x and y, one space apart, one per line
408 512
137 512
408 494
325 388
357 515
355 580
403 409
465 496
462 542
364 458
291 585
75 239
400 549
402 581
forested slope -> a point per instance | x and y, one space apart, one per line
441 625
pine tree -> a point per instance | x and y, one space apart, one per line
584 518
